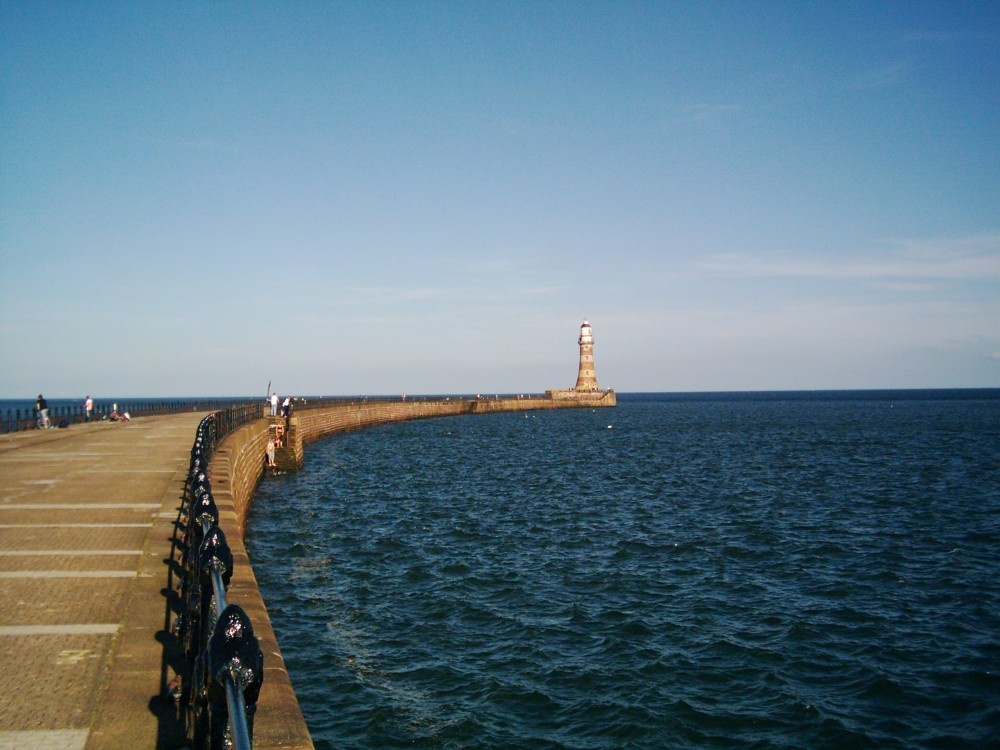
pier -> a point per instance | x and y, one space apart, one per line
90 572
87 518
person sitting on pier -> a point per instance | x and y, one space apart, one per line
115 416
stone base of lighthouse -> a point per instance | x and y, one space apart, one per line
597 398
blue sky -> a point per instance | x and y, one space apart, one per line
430 197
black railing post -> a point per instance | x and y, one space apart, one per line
236 673
224 657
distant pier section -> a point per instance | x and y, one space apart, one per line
316 419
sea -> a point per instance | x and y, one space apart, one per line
727 570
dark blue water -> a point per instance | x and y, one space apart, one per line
760 570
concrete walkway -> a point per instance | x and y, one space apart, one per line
87 571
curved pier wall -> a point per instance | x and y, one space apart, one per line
315 424
236 470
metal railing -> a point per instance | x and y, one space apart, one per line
17 420
320 402
224 660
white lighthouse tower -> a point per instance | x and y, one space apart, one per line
586 379
586 392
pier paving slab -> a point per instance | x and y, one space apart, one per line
36 598
87 516
62 562
100 514
55 680
69 539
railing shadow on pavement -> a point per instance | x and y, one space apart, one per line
211 667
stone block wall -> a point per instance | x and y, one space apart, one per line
235 472
570 396
315 424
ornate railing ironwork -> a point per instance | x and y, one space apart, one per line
225 666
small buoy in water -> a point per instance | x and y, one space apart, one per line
610 426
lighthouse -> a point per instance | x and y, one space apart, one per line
586 392
586 380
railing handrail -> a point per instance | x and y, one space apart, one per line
224 658
17 420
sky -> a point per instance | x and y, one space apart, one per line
338 198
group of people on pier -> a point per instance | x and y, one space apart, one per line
286 405
44 422
276 437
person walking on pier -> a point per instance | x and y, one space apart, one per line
88 407
274 404
43 412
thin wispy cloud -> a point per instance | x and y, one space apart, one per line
944 37
194 143
541 291
386 295
208 144
887 76
520 127
963 258
506 264
707 113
